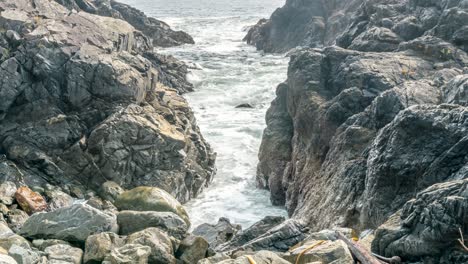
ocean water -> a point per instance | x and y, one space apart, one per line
226 72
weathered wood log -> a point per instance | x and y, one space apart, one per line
360 253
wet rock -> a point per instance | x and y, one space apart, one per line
23 255
7 192
30 201
150 199
217 234
62 253
326 252
16 219
162 251
98 246
279 238
129 253
134 221
192 249
110 190
74 223
246 105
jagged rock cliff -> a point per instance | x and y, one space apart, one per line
361 127
86 100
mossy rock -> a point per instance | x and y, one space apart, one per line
150 199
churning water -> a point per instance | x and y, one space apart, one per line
226 72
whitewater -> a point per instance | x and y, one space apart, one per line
226 72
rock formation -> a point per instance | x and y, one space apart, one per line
373 112
86 100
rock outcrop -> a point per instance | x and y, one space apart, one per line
373 112
85 100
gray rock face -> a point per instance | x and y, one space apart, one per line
86 100
74 223
217 234
428 226
134 221
366 25
364 126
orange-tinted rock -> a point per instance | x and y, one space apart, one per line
29 200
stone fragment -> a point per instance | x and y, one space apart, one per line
7 192
62 253
23 255
30 201
162 251
129 253
98 246
217 234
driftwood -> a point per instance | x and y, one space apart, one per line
360 253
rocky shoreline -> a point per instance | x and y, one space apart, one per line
367 131
364 145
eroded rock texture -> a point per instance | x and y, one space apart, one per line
86 100
360 128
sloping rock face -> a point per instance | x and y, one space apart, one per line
86 100
359 129
378 25
159 32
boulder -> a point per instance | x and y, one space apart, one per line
256 230
16 219
74 223
192 249
134 221
23 255
63 253
58 199
7 192
110 190
219 233
162 250
129 253
29 200
150 199
324 251
279 238
98 246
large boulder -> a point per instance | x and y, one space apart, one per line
150 199
217 234
134 221
74 223
162 250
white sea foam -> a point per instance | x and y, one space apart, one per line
228 73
